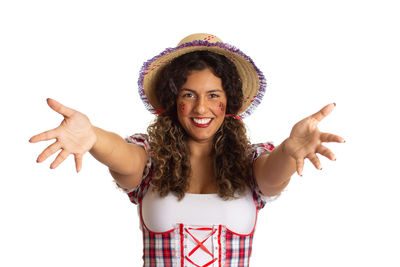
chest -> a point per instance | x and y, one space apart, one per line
163 214
203 177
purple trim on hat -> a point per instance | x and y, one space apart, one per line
256 100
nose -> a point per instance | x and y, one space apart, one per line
201 106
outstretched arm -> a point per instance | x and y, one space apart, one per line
76 136
273 171
125 161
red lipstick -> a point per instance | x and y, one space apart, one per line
201 125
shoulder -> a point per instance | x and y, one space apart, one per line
139 139
256 150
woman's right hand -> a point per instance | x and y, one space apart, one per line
75 135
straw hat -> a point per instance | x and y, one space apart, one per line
253 81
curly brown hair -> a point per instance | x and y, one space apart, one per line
170 154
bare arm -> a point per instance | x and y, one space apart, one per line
273 171
126 161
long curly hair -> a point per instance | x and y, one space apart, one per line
170 154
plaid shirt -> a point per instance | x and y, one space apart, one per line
171 248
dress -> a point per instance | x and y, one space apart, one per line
178 241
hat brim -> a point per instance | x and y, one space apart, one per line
253 80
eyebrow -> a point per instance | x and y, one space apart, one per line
210 91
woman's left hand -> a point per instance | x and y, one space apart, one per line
305 140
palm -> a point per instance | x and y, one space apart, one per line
305 140
304 133
75 133
75 136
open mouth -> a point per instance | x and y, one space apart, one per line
201 122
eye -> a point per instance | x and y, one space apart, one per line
188 95
214 95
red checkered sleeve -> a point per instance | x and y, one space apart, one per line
136 194
257 150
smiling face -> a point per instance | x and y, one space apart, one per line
201 105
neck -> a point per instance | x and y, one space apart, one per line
200 149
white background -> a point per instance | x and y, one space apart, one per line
87 55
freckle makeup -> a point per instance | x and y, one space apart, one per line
182 107
221 106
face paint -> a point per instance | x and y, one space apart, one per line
201 105
221 106
182 107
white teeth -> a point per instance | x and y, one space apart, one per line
201 121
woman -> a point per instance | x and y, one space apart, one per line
198 182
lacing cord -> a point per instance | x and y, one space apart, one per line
200 245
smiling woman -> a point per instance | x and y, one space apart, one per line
201 109
197 180
195 147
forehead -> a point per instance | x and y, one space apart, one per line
202 80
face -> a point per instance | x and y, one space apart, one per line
201 105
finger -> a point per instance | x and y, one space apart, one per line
325 111
45 136
60 108
60 158
78 162
50 150
327 137
315 161
299 166
326 152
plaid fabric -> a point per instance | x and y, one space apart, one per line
238 249
256 150
163 249
137 194
158 249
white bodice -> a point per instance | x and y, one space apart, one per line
162 214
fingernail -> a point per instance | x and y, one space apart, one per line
334 104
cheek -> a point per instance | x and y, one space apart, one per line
183 109
221 107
